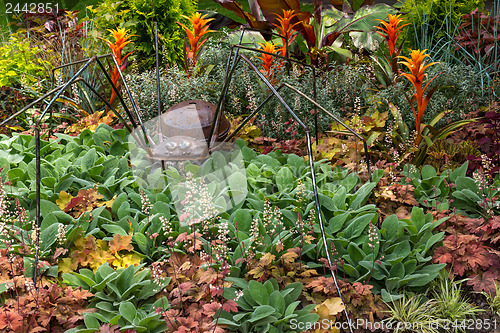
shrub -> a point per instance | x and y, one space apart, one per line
19 62
435 21
138 17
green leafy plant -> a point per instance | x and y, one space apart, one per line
264 307
451 305
435 22
19 63
320 33
125 297
472 197
494 301
398 258
138 17
412 313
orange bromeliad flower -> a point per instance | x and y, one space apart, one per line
286 28
200 28
267 58
121 40
417 68
391 30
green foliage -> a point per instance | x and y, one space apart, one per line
19 62
494 301
125 297
472 197
398 257
138 17
264 307
451 305
69 164
414 311
435 22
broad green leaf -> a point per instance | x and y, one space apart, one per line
48 236
277 301
284 179
258 292
127 311
357 225
294 294
262 311
417 217
91 321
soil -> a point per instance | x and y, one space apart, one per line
484 317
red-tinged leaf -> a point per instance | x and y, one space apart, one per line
73 202
239 260
185 287
208 276
330 38
442 257
484 282
107 328
230 306
59 252
12 320
270 10
276 7
210 309
237 8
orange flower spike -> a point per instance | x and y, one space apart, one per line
200 28
417 68
266 58
392 29
121 40
200 24
286 28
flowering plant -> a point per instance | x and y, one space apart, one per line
391 31
417 68
195 40
121 40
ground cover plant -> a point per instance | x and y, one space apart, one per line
414 239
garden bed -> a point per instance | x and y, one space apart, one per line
388 218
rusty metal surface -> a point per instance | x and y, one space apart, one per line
186 119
